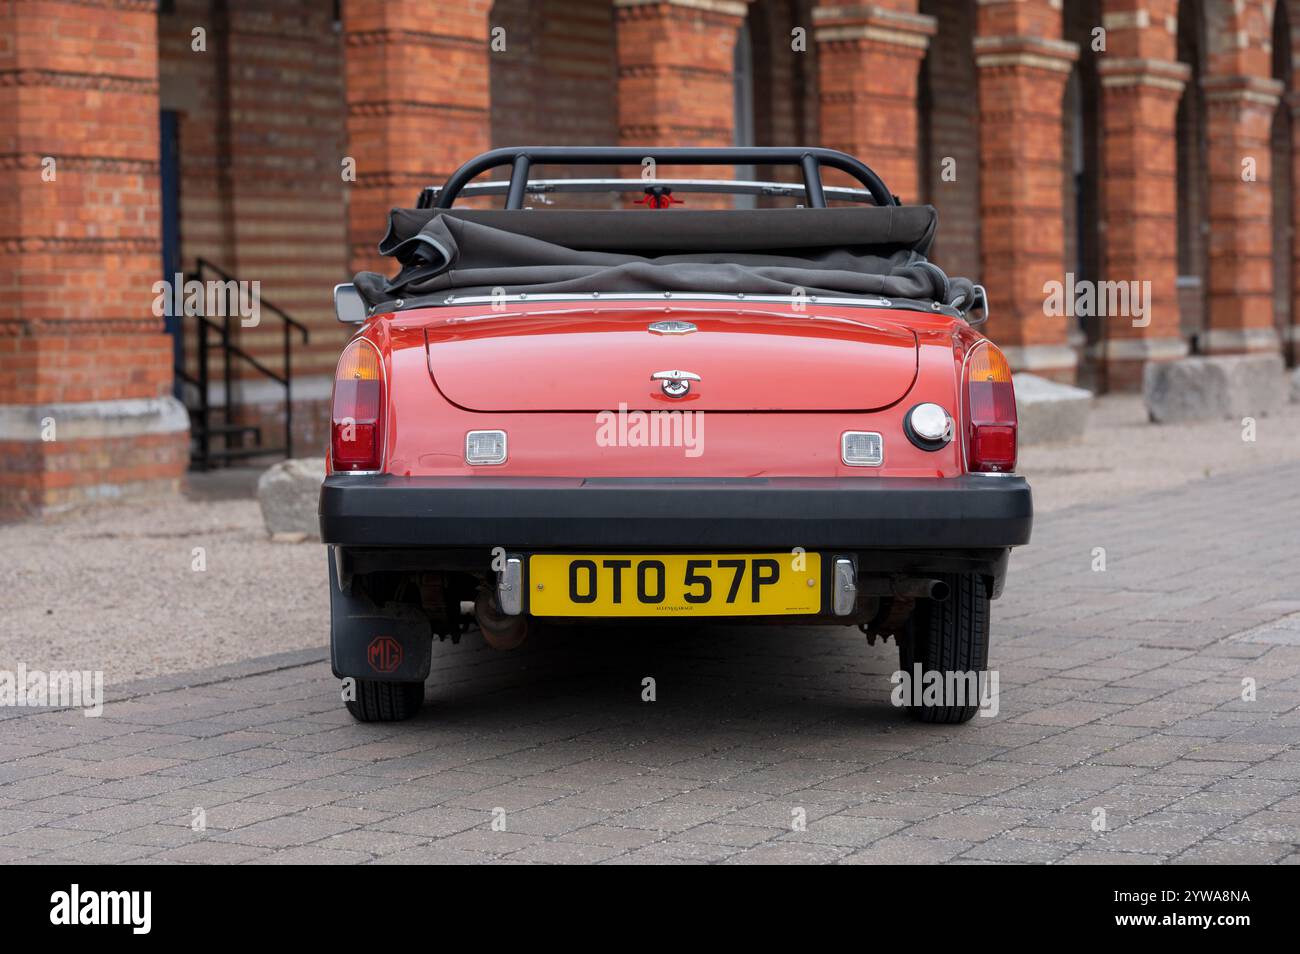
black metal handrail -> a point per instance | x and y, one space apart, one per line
203 411
521 159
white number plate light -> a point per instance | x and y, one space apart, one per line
485 447
862 449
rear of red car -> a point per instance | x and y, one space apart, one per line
804 458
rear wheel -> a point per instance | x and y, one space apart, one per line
385 701
951 641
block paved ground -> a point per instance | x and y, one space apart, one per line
1121 691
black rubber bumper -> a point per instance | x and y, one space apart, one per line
628 513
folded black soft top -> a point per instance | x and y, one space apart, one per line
872 251
670 231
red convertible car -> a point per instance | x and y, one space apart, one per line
777 414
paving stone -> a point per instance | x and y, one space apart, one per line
669 815
485 839
1018 851
371 842
613 837
909 850
787 852
435 855
283 832
432 822
1093 857
853 831
563 853
1120 690
969 824
208 852
737 836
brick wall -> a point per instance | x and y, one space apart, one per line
784 79
262 140
950 130
417 100
555 83
79 246
282 93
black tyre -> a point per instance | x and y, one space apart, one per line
949 637
385 701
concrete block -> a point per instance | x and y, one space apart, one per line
1049 412
1214 388
288 493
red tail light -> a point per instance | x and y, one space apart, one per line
357 410
990 412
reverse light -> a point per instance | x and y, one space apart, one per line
485 447
990 412
862 449
356 412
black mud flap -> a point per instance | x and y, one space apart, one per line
391 642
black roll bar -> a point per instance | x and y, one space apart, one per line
521 159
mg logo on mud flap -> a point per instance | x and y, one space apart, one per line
384 654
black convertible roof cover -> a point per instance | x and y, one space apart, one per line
872 251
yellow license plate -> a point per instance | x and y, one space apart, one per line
695 584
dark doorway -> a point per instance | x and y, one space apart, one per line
1081 138
170 180
1193 212
1283 183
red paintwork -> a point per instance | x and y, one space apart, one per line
778 388
765 360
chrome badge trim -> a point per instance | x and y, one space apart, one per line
671 327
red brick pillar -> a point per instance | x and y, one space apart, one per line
1141 84
868 62
676 82
418 98
86 411
1023 67
1240 300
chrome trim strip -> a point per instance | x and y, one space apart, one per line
802 300
657 309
